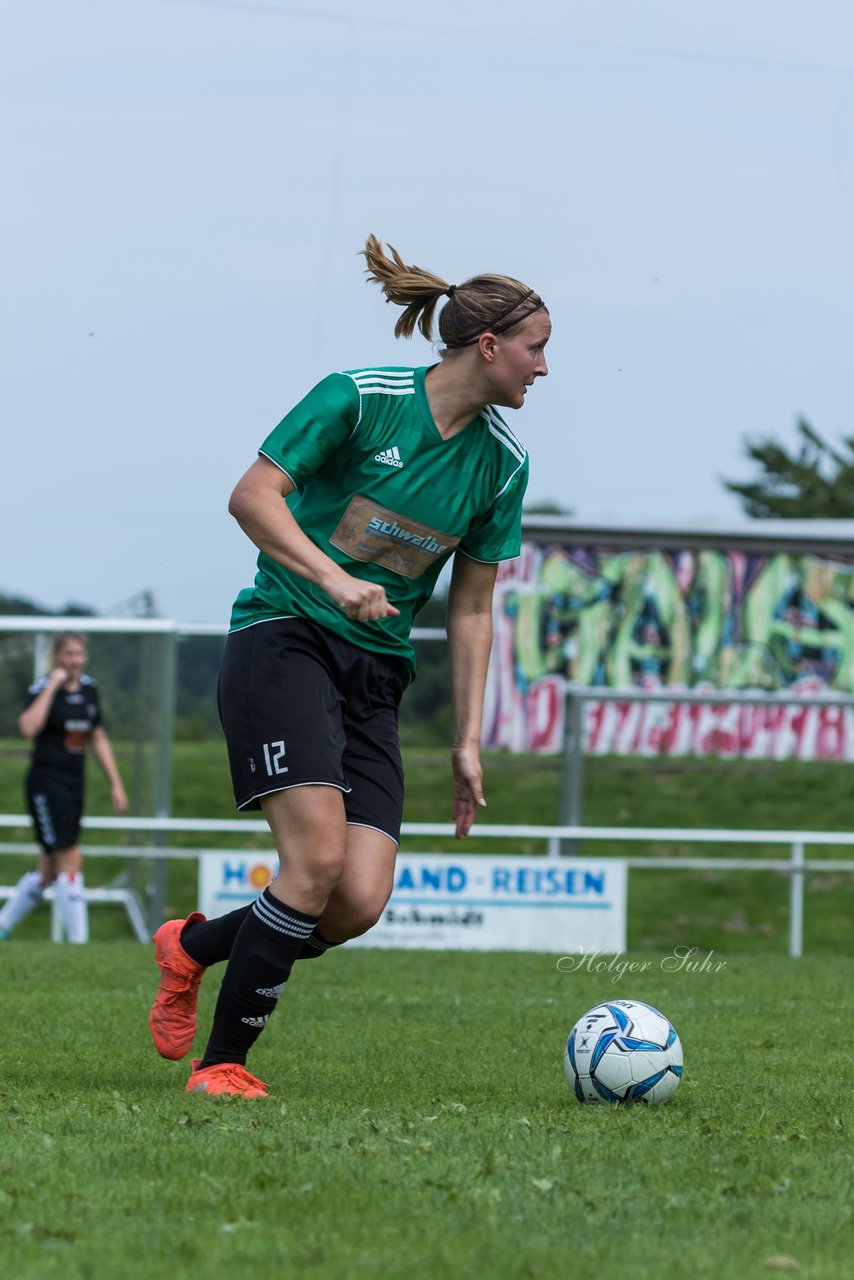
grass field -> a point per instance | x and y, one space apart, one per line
420 1126
419 1123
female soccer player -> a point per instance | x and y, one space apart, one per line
357 499
63 716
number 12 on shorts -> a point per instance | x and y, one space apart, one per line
273 754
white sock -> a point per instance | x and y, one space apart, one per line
73 908
26 895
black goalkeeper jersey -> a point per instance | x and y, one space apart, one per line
60 748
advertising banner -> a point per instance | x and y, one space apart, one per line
473 903
230 880
486 903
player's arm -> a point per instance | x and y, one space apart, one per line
33 718
257 504
103 753
469 625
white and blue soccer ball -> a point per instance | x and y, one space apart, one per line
623 1051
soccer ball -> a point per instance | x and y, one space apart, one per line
623 1051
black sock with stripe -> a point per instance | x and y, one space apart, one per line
268 941
315 946
209 941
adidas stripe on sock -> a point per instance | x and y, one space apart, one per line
315 946
268 941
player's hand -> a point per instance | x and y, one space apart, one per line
120 800
362 601
58 676
468 787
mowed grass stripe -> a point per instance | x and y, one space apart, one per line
420 1125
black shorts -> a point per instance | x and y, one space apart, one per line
56 807
301 706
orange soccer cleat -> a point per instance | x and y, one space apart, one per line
225 1079
173 1015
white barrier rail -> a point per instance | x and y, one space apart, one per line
120 897
797 865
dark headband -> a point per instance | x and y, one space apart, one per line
504 320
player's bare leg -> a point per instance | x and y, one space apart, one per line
309 828
360 896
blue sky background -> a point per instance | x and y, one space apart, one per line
187 184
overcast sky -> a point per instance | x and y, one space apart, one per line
186 184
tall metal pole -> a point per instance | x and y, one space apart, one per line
796 901
572 766
41 649
165 732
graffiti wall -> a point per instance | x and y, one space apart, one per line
688 620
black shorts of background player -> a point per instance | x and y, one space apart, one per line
357 498
63 717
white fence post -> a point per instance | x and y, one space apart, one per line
796 901
56 931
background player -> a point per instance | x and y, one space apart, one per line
63 715
357 500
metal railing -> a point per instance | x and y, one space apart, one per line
796 865
570 795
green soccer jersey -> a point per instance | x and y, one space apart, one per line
382 493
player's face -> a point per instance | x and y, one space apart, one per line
519 359
72 658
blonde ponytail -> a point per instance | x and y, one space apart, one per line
483 304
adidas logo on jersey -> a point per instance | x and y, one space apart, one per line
391 457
